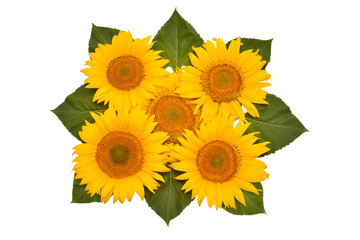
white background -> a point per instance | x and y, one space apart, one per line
313 189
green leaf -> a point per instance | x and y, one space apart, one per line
79 195
276 124
101 35
264 47
76 109
254 203
176 39
169 200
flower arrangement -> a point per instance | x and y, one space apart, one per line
197 132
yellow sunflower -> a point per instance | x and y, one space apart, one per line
120 155
223 80
173 113
125 72
219 162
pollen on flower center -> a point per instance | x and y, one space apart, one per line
222 82
119 154
174 115
125 72
217 161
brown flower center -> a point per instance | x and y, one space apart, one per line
173 115
125 72
222 82
217 161
119 154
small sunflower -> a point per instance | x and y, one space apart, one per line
173 113
219 162
223 80
125 72
120 155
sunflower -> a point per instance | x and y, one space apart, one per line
224 80
120 155
219 162
125 72
173 113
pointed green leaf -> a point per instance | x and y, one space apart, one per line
254 203
101 35
79 195
169 200
76 109
276 124
176 39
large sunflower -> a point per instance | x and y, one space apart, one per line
120 155
223 80
219 162
126 71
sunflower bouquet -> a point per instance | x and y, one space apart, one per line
196 132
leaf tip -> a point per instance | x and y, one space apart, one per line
176 12
167 222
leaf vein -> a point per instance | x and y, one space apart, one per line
273 125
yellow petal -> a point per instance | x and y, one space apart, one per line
249 107
245 185
210 193
196 62
203 56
